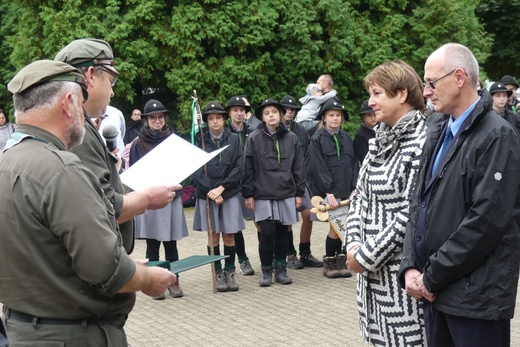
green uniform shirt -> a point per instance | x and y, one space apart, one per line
61 254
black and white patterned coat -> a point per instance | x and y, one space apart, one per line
379 211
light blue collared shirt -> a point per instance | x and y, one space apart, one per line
454 125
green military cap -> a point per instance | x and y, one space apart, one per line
88 52
42 71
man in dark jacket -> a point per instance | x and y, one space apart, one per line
462 246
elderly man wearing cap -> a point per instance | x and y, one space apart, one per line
58 222
95 59
306 258
512 85
219 181
365 131
237 108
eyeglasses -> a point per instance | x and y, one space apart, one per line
156 118
431 84
110 72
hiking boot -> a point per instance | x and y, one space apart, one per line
160 297
246 269
267 277
342 266
175 290
294 263
221 282
231 281
280 274
330 269
309 261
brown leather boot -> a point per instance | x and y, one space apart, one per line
330 269
342 266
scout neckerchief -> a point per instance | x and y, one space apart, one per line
335 137
267 132
17 137
216 140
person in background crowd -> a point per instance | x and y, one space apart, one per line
365 131
237 108
114 117
95 59
80 289
6 129
316 96
332 168
219 181
500 95
512 85
273 186
379 209
464 268
168 224
249 118
306 258
133 129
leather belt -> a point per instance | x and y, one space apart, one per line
27 318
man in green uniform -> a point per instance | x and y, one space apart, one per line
95 59
66 278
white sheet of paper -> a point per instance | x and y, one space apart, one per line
172 161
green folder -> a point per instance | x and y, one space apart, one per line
187 263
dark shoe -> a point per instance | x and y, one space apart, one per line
160 297
330 269
231 281
342 266
309 261
294 263
267 277
221 282
175 290
246 269
280 274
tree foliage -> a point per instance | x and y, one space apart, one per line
268 48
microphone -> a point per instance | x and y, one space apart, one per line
110 134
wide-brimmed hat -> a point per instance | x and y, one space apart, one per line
269 102
332 104
153 106
499 87
237 101
88 52
365 108
290 102
508 79
214 107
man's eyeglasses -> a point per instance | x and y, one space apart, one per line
431 84
110 72
156 118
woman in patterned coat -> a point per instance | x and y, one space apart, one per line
379 209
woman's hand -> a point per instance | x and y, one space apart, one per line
352 263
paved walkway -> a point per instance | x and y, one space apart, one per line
313 311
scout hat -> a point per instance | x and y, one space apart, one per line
269 102
214 107
508 79
237 101
499 87
365 108
42 71
88 52
153 106
332 104
290 102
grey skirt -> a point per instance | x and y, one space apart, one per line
226 218
165 224
306 200
246 213
283 211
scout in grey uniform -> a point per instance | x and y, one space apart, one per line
95 59
79 289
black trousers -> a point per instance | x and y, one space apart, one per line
445 330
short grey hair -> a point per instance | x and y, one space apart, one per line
44 95
459 56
